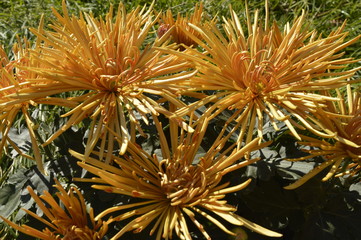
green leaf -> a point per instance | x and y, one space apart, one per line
14 194
6 192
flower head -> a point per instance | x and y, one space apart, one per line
68 223
343 152
177 187
167 22
12 80
264 71
111 70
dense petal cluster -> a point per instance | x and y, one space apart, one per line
265 72
175 26
178 186
343 153
72 221
110 69
12 80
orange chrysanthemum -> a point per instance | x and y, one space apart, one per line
180 185
167 22
70 222
12 80
110 69
344 153
267 72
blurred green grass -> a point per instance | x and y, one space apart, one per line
324 15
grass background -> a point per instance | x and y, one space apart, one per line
324 15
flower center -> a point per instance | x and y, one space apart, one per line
262 79
71 234
183 184
75 233
253 75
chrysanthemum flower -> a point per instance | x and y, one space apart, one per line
10 82
176 189
343 153
167 22
110 69
12 79
68 222
264 71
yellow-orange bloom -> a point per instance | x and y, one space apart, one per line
266 73
112 70
12 80
167 22
344 152
179 185
68 222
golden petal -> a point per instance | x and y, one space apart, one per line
310 174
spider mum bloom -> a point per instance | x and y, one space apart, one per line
111 71
267 72
70 222
12 80
344 153
175 190
167 22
